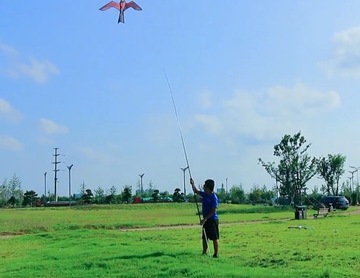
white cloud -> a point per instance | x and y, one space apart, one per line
301 99
264 116
345 60
8 50
37 70
211 123
50 127
8 113
206 99
10 143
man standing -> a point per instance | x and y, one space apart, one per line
210 221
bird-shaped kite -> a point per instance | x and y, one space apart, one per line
121 6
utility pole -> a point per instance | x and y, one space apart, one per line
45 183
56 162
184 169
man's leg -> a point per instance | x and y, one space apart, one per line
216 247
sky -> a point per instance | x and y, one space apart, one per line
243 73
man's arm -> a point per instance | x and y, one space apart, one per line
196 191
208 216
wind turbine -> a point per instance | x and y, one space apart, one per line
69 167
356 169
352 179
141 183
184 169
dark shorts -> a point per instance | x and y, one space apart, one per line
211 228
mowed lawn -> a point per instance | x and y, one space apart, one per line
164 240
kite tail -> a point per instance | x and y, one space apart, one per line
121 18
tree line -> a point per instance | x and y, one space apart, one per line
292 171
12 195
16 197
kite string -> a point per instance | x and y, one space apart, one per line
179 125
182 140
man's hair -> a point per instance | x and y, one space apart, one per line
209 184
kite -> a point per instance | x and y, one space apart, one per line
122 6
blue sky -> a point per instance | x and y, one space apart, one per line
243 74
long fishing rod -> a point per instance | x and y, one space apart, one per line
186 157
182 137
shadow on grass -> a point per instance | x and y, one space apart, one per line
142 256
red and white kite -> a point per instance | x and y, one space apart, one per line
122 6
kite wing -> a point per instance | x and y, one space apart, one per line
133 5
109 5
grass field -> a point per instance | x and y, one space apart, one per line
163 240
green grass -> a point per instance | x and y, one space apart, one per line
255 242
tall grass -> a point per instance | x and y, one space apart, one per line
255 241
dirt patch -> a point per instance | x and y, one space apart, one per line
5 235
158 228
192 226
357 211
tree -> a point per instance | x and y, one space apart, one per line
255 195
4 193
260 195
11 201
82 188
156 195
223 195
110 199
295 167
88 197
331 169
164 196
237 194
149 191
267 194
30 198
112 190
14 188
126 194
177 196
99 195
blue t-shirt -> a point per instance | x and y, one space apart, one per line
208 203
